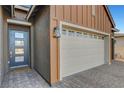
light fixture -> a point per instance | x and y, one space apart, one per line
56 32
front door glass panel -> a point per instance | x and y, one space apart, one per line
19 35
19 43
19 51
19 58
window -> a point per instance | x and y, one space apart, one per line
95 36
90 35
19 35
19 51
85 34
99 37
102 37
78 34
71 33
19 43
19 58
93 10
64 32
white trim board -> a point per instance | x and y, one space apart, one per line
83 28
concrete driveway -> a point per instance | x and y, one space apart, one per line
105 76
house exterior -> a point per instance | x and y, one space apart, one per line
55 40
119 46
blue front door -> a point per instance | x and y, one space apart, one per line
18 48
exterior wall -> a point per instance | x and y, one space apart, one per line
3 42
1 45
82 15
42 42
20 14
79 15
6 15
106 48
119 49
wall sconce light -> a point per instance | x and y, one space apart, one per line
56 32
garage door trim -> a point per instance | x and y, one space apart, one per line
70 25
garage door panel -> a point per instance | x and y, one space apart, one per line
78 56
82 52
76 69
80 66
78 60
75 65
82 44
70 54
73 55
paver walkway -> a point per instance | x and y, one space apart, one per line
24 78
105 76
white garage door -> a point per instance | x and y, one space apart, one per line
80 51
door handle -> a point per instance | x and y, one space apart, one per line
10 54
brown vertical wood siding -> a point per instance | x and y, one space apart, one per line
76 14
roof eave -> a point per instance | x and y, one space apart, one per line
110 16
119 34
115 30
21 8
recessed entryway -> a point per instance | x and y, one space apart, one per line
24 78
18 48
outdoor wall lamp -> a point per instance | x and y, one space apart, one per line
56 32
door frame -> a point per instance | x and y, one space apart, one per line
67 25
31 42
